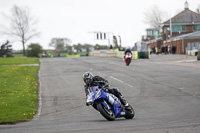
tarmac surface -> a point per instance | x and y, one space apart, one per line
163 90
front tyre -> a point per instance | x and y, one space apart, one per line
130 113
128 62
106 113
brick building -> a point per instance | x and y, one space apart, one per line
176 32
184 43
185 22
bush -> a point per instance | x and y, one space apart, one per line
34 50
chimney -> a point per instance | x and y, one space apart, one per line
186 5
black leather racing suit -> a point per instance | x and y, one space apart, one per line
127 51
99 81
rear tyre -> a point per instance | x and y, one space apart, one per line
106 113
130 113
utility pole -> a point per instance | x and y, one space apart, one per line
170 27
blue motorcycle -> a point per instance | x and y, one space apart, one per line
107 104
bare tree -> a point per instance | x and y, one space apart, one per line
59 43
198 9
155 17
22 25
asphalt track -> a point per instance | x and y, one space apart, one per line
164 91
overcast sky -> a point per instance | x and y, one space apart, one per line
74 19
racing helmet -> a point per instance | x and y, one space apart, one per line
88 78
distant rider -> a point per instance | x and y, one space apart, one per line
91 80
128 50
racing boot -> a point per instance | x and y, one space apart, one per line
124 102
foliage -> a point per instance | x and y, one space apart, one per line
98 47
5 50
80 47
17 55
69 49
155 17
22 25
33 50
18 90
59 43
198 9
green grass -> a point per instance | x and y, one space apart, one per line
18 90
18 55
19 60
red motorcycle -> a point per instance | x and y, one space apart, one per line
128 58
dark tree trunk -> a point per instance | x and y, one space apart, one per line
24 52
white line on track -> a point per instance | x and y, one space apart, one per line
186 61
121 81
114 63
116 79
130 85
100 73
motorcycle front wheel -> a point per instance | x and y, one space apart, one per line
106 113
130 113
128 62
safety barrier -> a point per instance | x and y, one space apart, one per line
73 55
104 53
192 52
119 54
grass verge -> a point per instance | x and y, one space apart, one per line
18 61
18 89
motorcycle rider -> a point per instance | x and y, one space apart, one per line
128 50
91 80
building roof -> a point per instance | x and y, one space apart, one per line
154 40
152 29
192 35
186 16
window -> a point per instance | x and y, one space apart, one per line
156 33
183 28
196 27
165 30
177 28
149 33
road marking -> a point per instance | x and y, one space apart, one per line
186 61
114 63
117 79
100 73
121 81
130 85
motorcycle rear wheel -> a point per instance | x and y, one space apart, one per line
108 114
